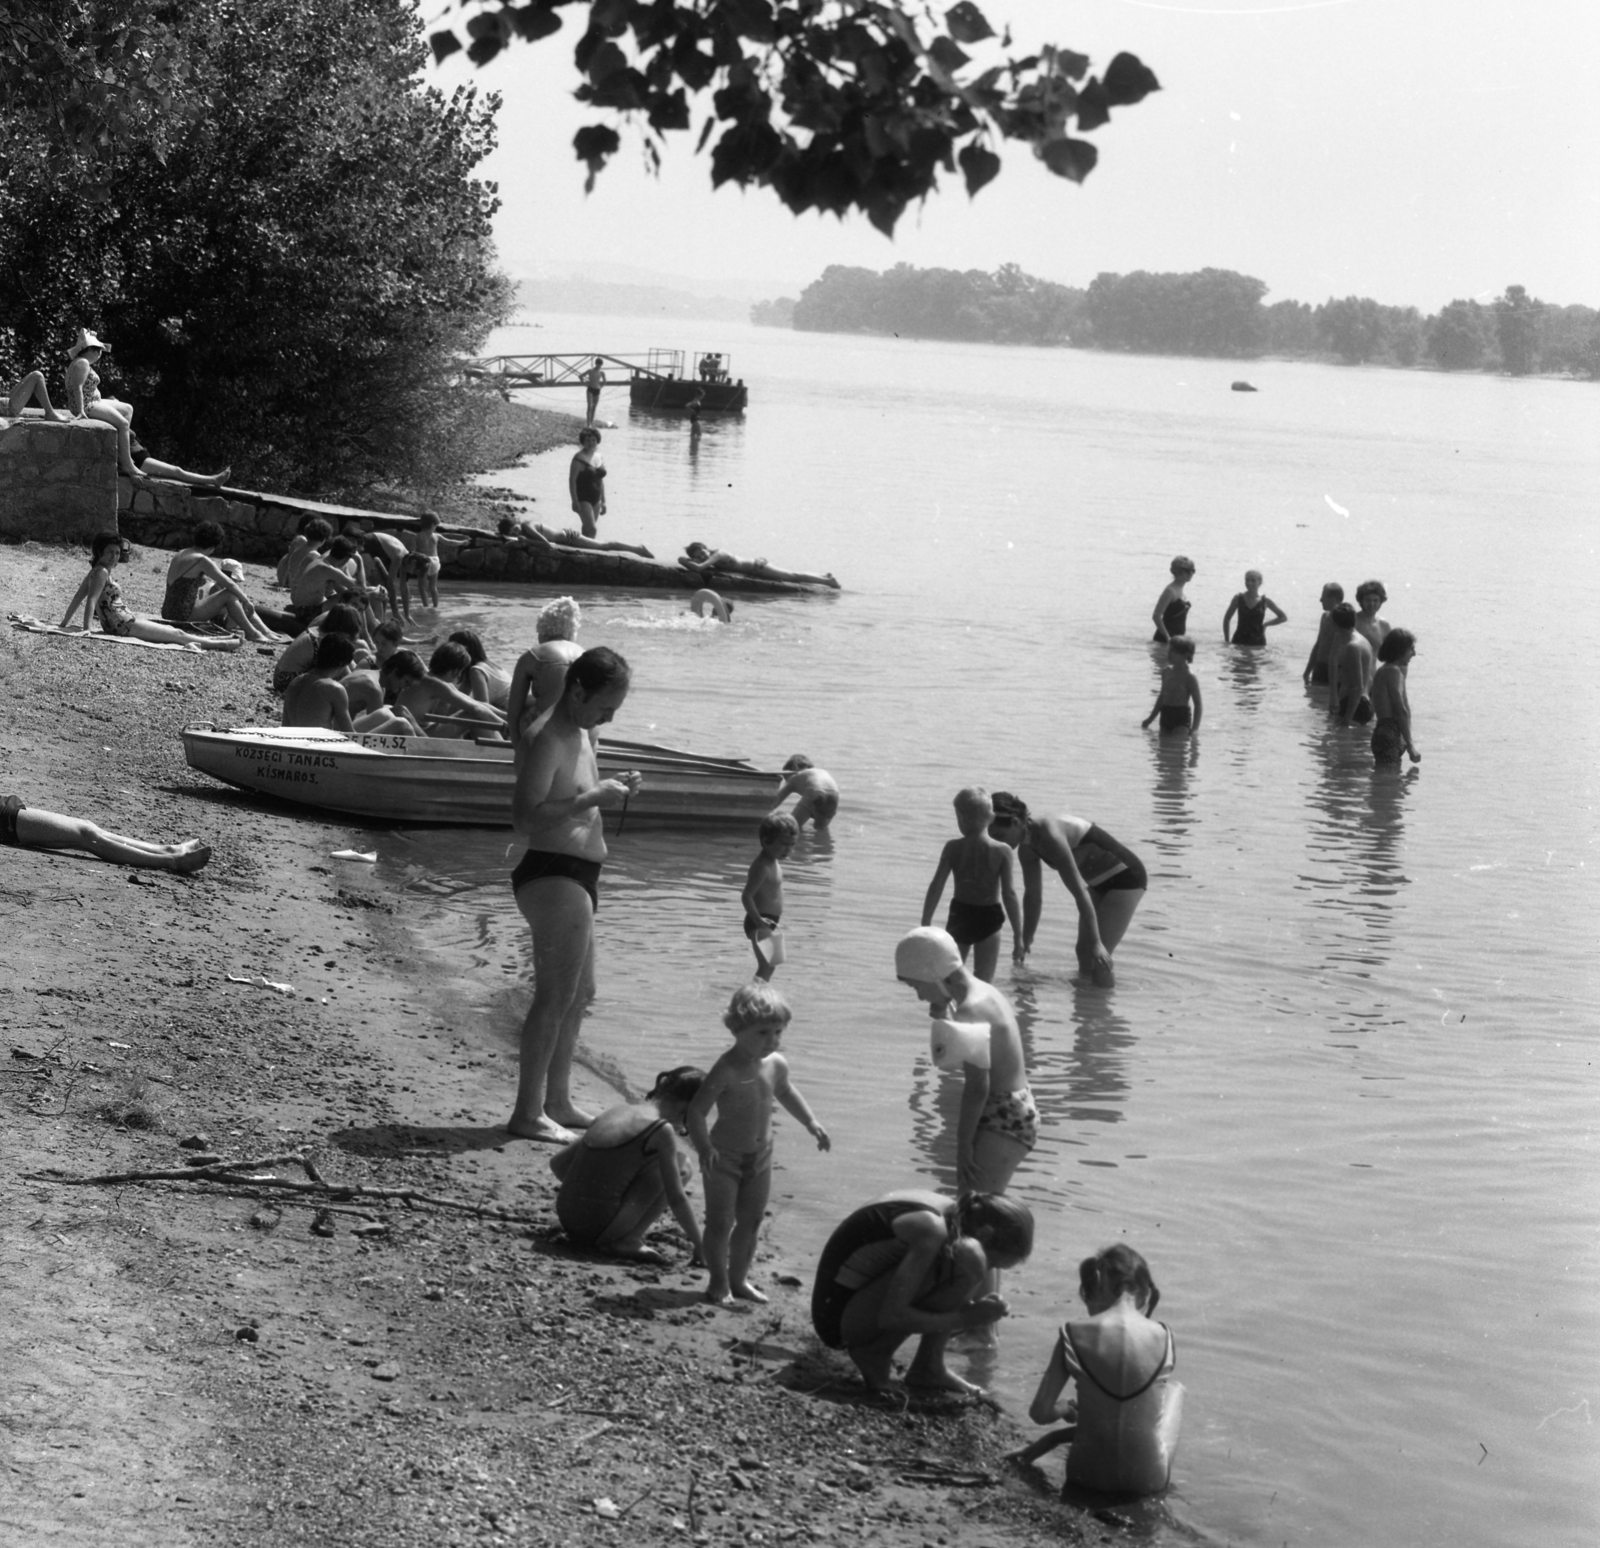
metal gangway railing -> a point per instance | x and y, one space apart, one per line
570 370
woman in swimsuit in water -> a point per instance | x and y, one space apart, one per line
555 810
188 573
102 598
1391 736
1171 613
1127 1412
627 1167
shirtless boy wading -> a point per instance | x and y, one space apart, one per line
556 811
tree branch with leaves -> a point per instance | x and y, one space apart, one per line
833 104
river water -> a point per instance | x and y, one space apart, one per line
1343 1094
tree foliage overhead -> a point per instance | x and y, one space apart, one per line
290 291
833 104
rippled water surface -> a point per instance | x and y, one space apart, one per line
1343 1094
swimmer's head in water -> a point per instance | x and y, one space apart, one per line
1182 566
756 1005
1397 645
974 809
778 829
1332 594
334 650
1002 1225
1181 645
1113 1271
1344 616
559 620
795 762
926 955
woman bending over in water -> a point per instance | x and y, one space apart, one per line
102 598
83 397
1127 1412
706 561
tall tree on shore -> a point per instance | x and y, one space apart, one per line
1458 337
290 291
1516 320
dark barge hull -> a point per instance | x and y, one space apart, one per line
672 394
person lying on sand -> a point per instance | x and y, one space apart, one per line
706 561
32 827
536 535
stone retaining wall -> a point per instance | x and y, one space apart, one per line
259 527
58 481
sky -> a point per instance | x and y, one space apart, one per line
1414 151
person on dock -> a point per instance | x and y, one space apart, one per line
191 568
817 789
1391 707
1316 671
763 892
1171 612
984 897
625 1168
1351 663
537 535
1125 1417
736 1153
1106 879
1178 699
594 382
998 1123
701 560
1252 609
540 675
555 809
34 827
914 1264
586 481
101 597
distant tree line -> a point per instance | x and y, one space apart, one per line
1213 312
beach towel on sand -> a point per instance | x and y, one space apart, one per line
39 626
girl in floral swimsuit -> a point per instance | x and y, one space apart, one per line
101 597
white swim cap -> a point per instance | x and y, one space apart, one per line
926 956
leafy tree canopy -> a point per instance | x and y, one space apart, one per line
833 104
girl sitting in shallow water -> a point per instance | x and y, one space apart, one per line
1124 1421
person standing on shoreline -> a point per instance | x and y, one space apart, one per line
555 809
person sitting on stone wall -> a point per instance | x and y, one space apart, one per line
32 387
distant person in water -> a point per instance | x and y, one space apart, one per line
707 601
985 896
1252 609
1178 699
1370 596
818 792
1350 666
1171 612
1391 706
33 827
1317 662
625 1168
707 561
537 535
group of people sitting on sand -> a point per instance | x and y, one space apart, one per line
1361 659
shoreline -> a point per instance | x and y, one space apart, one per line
197 1365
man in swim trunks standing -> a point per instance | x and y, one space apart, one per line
998 1123
984 897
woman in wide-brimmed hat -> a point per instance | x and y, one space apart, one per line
85 401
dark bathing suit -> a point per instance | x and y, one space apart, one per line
838 1280
969 923
1252 625
178 604
765 922
590 1198
1388 744
591 484
1175 717
9 807
539 863
1175 620
1363 709
1319 672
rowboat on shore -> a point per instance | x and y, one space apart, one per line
437 781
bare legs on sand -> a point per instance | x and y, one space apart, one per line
38 829
561 918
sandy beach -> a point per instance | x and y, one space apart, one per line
189 1363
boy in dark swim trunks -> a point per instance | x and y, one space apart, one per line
763 892
1179 689
985 896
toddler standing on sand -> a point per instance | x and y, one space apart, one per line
1179 689
763 892
985 896
736 1156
